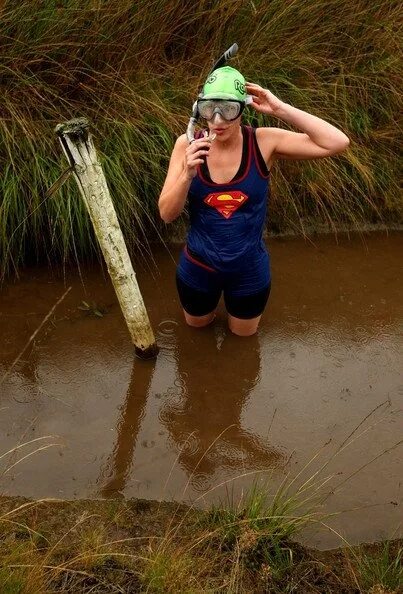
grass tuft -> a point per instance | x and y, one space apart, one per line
380 572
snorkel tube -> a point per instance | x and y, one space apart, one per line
222 60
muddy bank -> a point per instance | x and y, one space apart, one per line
316 393
147 546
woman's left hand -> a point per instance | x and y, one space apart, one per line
263 100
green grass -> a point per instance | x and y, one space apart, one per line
168 570
383 569
134 69
256 532
11 583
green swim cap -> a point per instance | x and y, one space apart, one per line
225 83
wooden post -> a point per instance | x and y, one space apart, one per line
79 149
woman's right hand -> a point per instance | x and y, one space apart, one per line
195 154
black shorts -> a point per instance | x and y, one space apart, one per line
200 303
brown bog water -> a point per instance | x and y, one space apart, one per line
319 385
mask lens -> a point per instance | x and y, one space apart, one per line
229 110
206 109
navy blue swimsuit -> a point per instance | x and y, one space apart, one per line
225 248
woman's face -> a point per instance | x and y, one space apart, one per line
222 128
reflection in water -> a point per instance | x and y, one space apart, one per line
116 471
216 373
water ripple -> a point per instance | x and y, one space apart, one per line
167 327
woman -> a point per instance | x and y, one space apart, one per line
225 177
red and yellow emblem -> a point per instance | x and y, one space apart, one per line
227 203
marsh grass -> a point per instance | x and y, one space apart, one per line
74 547
134 69
380 570
263 519
75 555
172 569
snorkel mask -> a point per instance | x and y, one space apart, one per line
223 93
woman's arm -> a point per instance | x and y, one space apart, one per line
182 168
318 138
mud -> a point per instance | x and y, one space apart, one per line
317 390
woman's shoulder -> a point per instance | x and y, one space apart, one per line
266 138
181 141
180 145
266 131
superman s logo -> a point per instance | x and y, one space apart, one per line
226 202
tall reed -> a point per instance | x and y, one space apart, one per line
134 69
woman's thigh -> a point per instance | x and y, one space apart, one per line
245 311
198 305
199 289
243 327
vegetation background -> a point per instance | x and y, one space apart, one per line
134 67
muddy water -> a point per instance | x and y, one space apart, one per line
318 388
